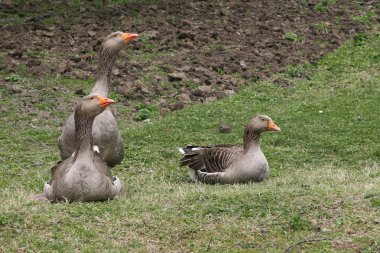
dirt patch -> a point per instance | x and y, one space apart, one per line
189 51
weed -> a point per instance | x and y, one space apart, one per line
360 39
142 114
298 223
13 78
294 37
34 53
323 5
375 202
2 57
322 26
365 18
145 112
191 84
305 71
115 96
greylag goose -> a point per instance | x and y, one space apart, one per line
228 164
105 131
84 176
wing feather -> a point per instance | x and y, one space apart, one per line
212 159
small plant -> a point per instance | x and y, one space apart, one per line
220 71
36 53
305 71
323 5
147 44
360 39
375 202
294 37
374 199
166 85
144 112
2 57
13 78
219 47
364 19
115 96
322 26
191 84
298 223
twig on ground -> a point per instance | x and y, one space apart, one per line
209 245
306 241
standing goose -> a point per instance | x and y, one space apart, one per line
105 131
84 176
228 164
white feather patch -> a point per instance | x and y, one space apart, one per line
181 151
47 191
96 149
193 175
73 154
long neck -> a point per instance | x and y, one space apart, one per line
83 132
107 59
251 138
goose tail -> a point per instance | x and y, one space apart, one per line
190 149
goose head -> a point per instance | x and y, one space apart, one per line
116 41
93 105
263 123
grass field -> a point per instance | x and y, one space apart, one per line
323 193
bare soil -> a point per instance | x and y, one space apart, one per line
188 52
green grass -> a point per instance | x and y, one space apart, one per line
322 194
323 5
294 37
365 18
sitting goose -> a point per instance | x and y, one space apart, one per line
105 131
228 164
84 176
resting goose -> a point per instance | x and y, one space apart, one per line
105 131
228 164
84 176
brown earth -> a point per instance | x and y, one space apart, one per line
189 51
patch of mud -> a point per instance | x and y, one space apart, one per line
189 51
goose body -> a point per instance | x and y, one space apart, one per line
105 135
229 164
84 176
74 180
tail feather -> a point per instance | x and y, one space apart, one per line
190 149
197 164
182 151
192 157
194 161
188 159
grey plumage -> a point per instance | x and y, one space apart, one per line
231 163
84 176
105 135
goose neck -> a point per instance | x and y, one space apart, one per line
251 139
83 131
107 59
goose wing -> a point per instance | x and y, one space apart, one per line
211 159
101 165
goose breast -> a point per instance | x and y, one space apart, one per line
251 168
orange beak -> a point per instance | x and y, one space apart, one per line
104 102
129 36
272 126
